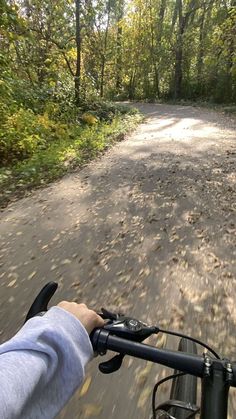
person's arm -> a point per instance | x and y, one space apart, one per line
43 364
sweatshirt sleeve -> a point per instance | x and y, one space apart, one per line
42 365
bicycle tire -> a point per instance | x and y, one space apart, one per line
184 388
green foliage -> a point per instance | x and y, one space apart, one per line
89 119
105 111
69 146
128 50
23 133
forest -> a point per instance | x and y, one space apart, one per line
118 185
64 64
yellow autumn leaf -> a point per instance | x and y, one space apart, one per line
85 386
91 410
161 341
144 396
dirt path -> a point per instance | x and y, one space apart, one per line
149 228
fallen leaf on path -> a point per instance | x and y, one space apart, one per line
75 284
142 376
32 274
85 386
130 362
124 279
147 271
161 341
11 283
91 410
198 309
157 247
13 275
65 262
144 396
119 273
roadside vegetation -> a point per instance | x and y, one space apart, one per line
65 64
36 149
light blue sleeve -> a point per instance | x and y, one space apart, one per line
42 365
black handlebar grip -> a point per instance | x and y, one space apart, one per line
40 303
98 339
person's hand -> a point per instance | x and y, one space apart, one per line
88 318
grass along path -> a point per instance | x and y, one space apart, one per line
62 156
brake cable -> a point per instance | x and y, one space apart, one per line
199 342
173 376
170 377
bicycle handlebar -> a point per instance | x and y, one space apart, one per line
102 341
124 335
195 365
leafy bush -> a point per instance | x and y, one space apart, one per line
77 145
89 119
23 132
105 111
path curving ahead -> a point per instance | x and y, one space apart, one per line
149 228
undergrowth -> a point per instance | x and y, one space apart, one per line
41 149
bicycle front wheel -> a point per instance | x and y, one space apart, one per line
184 388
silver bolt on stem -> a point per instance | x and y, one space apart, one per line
229 367
208 361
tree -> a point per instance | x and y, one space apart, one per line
78 50
183 17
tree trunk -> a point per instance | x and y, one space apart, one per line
118 60
132 85
179 52
105 50
78 51
182 26
230 61
153 53
120 14
160 20
201 49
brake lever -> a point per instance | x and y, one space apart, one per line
127 328
111 365
109 315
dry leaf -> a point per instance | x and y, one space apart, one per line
65 262
141 376
198 309
75 284
161 341
144 396
32 275
85 386
147 271
91 410
11 283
